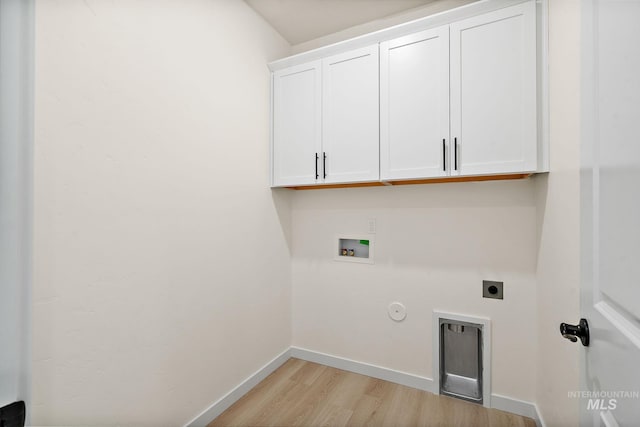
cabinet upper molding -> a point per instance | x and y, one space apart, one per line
396 31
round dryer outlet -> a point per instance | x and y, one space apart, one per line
397 311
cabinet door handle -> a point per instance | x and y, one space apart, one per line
455 153
324 164
317 166
444 155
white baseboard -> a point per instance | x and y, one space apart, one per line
503 403
518 407
539 420
217 408
374 371
515 406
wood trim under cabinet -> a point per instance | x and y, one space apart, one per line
321 186
418 181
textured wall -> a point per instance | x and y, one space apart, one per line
162 270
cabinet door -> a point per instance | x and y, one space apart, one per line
493 92
297 125
350 130
414 105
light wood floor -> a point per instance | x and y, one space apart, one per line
306 394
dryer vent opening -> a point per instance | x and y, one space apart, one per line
461 360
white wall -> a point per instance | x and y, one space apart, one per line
558 203
434 246
162 269
16 144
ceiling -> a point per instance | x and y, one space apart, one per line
299 21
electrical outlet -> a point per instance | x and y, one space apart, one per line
492 289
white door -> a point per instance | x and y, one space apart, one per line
493 92
350 119
16 161
297 125
414 105
610 212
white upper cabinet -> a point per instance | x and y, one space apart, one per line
453 98
297 106
493 92
414 105
350 124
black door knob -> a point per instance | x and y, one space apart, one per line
573 332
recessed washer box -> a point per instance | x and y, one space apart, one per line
354 248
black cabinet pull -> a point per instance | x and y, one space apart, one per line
317 166
455 153
444 155
324 164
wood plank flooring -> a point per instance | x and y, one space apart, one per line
306 394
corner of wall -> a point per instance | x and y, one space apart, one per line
557 222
